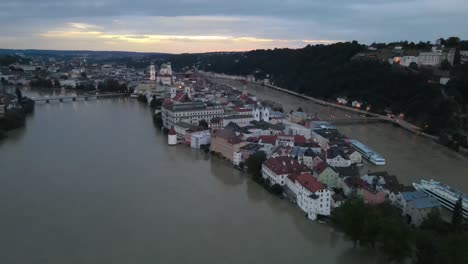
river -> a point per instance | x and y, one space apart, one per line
408 156
95 182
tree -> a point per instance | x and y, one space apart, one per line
254 164
445 65
3 81
27 105
413 65
300 109
395 240
276 189
142 98
452 42
19 95
457 214
203 123
57 83
157 119
350 217
83 74
457 57
155 103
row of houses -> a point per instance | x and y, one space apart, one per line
316 167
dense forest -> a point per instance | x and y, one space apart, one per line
327 71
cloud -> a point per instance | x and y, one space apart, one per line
242 24
82 25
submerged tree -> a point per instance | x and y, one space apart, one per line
203 124
254 164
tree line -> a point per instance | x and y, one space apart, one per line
383 228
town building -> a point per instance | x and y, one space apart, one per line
311 196
172 137
245 152
279 168
297 117
326 137
262 114
355 156
416 206
200 138
216 123
296 129
240 120
289 140
436 57
191 113
182 127
327 176
165 75
337 158
359 187
311 158
225 142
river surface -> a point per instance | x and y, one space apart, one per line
408 156
95 182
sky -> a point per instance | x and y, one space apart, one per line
189 26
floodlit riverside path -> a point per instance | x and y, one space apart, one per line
408 155
95 182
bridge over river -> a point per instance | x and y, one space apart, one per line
61 98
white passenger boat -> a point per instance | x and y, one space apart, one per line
446 195
368 153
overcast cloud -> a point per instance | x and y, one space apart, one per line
208 25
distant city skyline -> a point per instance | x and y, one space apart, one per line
208 25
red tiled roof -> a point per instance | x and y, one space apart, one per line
310 183
358 183
167 102
296 138
172 131
320 167
252 139
299 139
285 165
182 97
268 139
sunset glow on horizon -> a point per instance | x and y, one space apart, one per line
205 25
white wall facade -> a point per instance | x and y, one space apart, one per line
339 161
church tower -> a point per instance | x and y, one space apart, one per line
188 91
152 73
173 92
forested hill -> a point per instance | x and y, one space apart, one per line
327 71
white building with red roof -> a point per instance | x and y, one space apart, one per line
279 168
312 196
172 137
